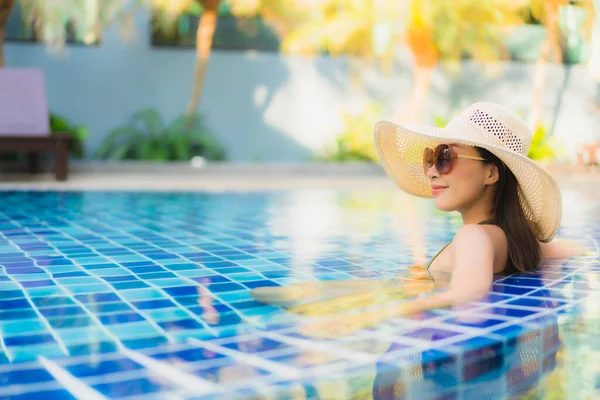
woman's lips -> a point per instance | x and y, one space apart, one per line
438 189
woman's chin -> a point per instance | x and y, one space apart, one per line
442 205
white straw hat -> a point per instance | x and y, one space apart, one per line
491 126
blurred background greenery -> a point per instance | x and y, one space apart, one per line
436 33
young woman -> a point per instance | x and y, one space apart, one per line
476 165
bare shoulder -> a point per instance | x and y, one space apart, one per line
474 234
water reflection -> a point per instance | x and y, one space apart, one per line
499 347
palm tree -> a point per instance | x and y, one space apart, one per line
5 8
204 39
51 20
433 30
276 12
449 30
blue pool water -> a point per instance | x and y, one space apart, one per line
147 295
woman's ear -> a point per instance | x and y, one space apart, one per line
492 174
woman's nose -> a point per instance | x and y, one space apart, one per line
432 172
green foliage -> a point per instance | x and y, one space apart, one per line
147 138
543 147
439 121
59 124
355 142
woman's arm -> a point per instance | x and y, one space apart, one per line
561 250
472 277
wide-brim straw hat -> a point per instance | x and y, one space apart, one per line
491 126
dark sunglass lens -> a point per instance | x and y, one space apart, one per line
443 158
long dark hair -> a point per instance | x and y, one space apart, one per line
523 247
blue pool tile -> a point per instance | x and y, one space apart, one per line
19 314
68 311
96 348
537 303
476 348
232 270
15 304
507 312
85 334
45 291
121 318
70 322
72 274
97 297
153 304
96 368
28 340
183 266
219 264
25 376
225 287
182 290
129 285
192 354
106 308
25 270
10 294
38 283
166 314
225 319
144 343
144 270
157 275
511 334
512 290
134 264
256 345
262 283
211 279
181 324
57 394
130 387
188 300
8 284
56 301
15 328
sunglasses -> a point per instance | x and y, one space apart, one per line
443 158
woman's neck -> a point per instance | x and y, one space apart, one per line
476 214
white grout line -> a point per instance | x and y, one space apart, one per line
324 347
186 380
275 368
72 384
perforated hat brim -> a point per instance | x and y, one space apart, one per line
400 148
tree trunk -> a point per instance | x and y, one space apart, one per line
5 8
551 52
204 38
412 111
421 43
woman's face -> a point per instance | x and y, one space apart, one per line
466 182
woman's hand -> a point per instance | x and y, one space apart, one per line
561 249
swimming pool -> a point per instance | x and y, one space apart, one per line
146 295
